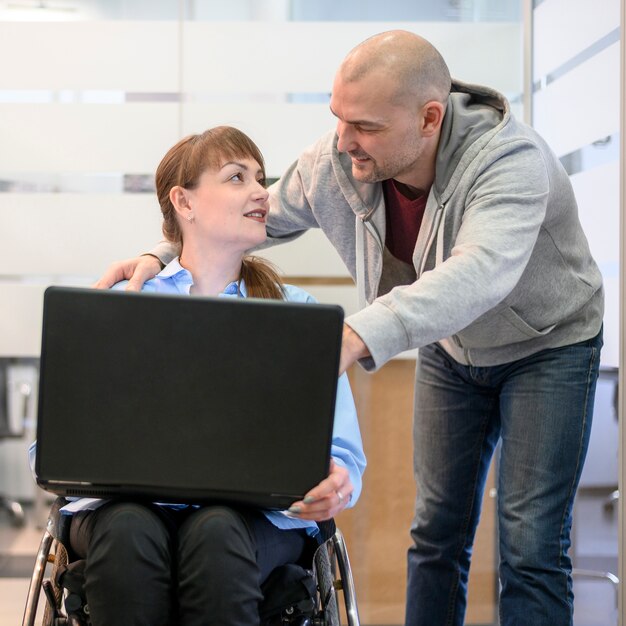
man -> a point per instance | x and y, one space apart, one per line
460 228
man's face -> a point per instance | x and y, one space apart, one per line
381 135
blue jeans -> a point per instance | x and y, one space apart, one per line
540 408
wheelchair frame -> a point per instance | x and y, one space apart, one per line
331 568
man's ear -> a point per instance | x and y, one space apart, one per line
432 117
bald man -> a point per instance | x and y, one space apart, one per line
460 228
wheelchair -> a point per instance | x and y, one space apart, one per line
330 574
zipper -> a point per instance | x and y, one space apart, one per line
360 253
431 236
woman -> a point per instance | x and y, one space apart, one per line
163 564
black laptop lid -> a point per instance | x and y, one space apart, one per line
185 399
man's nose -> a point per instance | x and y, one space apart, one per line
345 137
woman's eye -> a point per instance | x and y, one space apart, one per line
262 182
237 177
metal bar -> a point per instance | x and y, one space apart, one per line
527 87
622 317
349 593
32 599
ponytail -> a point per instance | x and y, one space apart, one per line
261 279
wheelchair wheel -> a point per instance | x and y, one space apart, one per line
54 593
325 575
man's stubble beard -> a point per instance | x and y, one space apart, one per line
395 167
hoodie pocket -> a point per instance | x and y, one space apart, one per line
499 327
515 320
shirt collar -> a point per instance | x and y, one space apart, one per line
183 280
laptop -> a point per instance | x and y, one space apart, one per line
185 399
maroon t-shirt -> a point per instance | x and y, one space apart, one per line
404 218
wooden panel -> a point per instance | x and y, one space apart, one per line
377 529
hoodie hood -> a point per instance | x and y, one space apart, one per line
473 116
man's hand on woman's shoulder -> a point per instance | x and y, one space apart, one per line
136 270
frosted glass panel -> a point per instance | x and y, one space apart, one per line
236 58
282 131
74 234
569 116
309 255
597 193
74 137
128 56
563 28
20 319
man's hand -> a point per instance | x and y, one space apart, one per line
326 500
352 349
137 271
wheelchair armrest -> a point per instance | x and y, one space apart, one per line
327 529
58 525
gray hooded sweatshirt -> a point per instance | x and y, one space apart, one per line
502 268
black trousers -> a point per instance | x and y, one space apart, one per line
153 566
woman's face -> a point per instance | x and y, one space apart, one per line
230 206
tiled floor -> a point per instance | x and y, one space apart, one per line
595 599
17 554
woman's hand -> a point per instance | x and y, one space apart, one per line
328 499
137 271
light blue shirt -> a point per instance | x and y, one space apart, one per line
346 448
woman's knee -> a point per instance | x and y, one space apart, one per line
129 566
217 526
129 527
216 539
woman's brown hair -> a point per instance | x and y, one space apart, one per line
183 165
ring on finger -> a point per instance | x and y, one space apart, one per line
339 495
